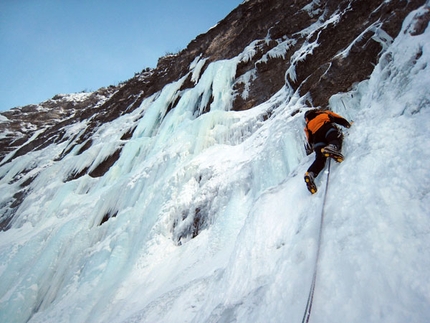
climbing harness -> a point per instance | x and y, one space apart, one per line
308 309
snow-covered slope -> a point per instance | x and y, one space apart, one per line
206 218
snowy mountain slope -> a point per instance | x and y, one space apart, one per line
34 126
317 48
206 218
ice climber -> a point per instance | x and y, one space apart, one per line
325 138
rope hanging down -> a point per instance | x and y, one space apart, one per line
308 309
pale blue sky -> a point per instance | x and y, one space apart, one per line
49 47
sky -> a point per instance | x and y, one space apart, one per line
49 47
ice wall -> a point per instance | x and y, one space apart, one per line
205 216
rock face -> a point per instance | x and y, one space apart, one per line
315 48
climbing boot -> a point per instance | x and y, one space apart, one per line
333 152
310 182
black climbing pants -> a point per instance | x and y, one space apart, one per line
327 134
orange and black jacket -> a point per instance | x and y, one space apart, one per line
321 122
